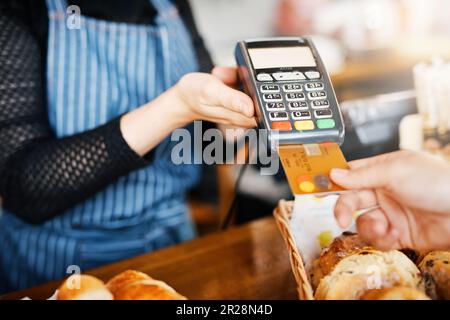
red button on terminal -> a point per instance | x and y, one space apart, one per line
281 125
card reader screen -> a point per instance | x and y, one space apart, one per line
281 57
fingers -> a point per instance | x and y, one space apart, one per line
390 241
220 95
376 226
348 203
373 226
373 175
227 75
373 172
361 163
385 228
228 117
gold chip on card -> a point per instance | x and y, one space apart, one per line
308 167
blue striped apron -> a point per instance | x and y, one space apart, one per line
94 74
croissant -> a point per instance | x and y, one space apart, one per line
135 285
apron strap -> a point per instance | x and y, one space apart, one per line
56 5
166 9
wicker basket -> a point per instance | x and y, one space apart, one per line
282 216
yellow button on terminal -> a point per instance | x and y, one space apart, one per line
304 125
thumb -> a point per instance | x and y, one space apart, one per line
219 94
370 177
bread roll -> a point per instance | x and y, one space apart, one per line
396 293
340 248
435 268
83 287
134 285
367 269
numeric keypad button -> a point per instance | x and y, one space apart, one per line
275 106
320 104
323 113
272 97
270 88
317 95
278 116
298 105
292 87
301 115
314 86
299 96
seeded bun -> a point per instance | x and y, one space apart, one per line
435 268
367 269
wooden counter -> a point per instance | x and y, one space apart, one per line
245 262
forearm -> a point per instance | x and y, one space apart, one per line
145 127
46 176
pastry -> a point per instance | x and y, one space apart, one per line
135 285
125 277
435 267
83 287
395 293
340 248
367 269
315 274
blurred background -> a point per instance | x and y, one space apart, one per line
370 48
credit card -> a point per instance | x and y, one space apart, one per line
308 167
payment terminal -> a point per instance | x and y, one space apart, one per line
291 90
295 102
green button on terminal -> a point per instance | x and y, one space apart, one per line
325 123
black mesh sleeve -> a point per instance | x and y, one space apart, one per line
40 175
